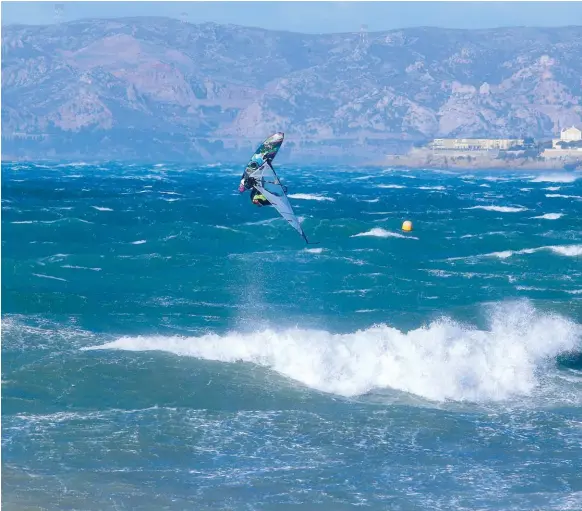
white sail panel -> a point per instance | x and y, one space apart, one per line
267 183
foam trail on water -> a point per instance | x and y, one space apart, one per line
561 196
549 216
445 360
42 275
308 196
226 228
378 232
499 209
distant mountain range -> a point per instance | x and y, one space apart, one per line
161 89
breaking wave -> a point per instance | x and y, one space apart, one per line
445 360
555 178
564 250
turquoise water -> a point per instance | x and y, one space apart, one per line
168 345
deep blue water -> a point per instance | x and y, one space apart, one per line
168 345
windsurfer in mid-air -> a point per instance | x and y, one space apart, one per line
266 189
257 198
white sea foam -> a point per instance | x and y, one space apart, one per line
378 232
225 228
48 277
390 186
267 221
309 196
549 216
445 360
497 178
138 242
558 195
500 209
51 221
564 250
556 178
79 267
100 208
491 233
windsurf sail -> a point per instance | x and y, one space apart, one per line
267 182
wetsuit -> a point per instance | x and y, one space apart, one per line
258 198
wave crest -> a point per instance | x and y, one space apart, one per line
555 178
445 360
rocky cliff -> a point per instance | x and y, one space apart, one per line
156 88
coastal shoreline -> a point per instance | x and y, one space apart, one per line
440 162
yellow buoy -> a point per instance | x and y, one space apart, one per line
407 225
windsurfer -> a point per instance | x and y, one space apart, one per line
261 179
258 198
246 183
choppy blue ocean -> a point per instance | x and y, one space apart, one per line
168 345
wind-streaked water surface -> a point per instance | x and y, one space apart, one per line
168 345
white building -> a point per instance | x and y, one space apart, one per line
571 134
